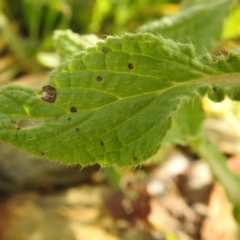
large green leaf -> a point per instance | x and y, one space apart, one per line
112 103
201 24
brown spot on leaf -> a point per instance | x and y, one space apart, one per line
73 109
77 129
42 153
102 143
105 50
13 122
130 66
214 89
99 78
18 128
134 158
49 94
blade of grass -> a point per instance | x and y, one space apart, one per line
14 41
218 163
35 14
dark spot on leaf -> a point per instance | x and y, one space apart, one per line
130 66
134 158
99 78
105 50
42 153
49 94
77 129
69 118
214 89
102 143
73 109
13 122
18 128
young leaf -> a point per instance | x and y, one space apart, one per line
68 43
112 103
186 124
193 24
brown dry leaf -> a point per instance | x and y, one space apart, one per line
220 224
234 164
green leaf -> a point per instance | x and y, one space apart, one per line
186 124
68 43
112 103
216 94
201 24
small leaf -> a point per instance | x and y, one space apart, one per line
68 43
186 124
216 94
112 103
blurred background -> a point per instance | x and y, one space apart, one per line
170 197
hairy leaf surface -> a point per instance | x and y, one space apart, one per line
113 102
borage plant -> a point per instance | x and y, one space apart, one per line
116 100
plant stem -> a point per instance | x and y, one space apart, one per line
217 162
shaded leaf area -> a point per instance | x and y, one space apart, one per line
186 125
112 103
193 24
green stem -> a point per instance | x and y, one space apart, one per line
113 177
227 178
217 162
16 44
34 19
12 38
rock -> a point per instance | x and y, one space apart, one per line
20 171
220 223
